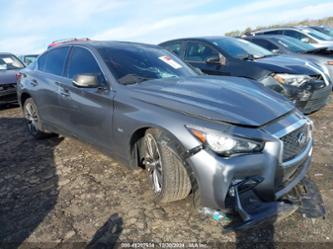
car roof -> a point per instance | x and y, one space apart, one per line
269 37
6 53
278 28
201 38
103 44
298 28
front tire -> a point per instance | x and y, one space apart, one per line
169 178
33 120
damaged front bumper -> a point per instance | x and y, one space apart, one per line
305 198
312 95
254 185
8 93
318 97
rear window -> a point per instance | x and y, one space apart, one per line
53 62
56 61
10 62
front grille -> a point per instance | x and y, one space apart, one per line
4 87
295 142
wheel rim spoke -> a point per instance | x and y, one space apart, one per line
32 118
153 163
156 180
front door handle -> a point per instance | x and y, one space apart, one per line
64 92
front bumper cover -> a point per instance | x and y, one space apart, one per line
305 199
318 96
8 93
271 178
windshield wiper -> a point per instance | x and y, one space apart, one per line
251 57
132 79
265 56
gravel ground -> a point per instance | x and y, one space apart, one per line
60 190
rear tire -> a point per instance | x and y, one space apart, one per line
33 121
168 175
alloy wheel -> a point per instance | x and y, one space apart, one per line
153 162
31 117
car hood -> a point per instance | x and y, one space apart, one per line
8 76
227 99
323 44
323 51
285 64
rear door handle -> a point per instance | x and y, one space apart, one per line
34 82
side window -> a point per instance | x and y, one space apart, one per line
273 32
197 51
265 44
55 61
174 47
41 63
295 34
82 62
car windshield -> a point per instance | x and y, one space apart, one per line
28 59
134 64
294 45
318 35
325 30
10 62
241 49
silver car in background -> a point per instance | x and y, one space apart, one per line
303 34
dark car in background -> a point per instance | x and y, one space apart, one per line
303 34
281 44
10 65
221 139
28 58
301 81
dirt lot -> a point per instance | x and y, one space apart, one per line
60 190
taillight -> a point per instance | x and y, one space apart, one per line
18 77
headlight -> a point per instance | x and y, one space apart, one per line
291 79
225 144
330 63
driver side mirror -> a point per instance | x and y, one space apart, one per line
213 60
85 81
3 66
275 51
305 40
216 60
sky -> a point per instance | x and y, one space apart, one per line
28 26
